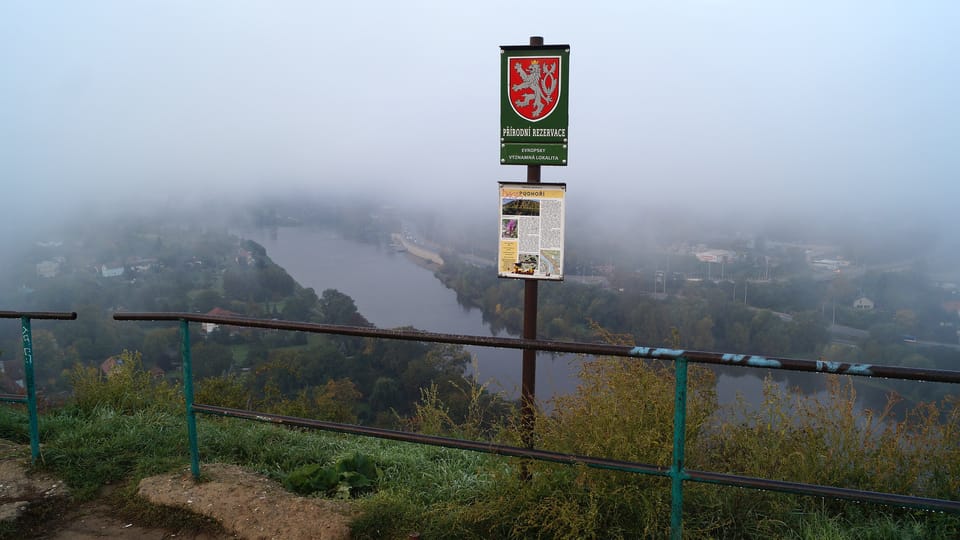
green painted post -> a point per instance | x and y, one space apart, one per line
27 336
679 441
188 398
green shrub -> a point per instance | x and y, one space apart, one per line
125 389
350 476
624 410
224 391
481 414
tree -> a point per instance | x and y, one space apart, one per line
257 353
276 281
160 347
907 319
841 290
738 338
337 400
300 306
49 359
703 334
338 308
235 284
769 335
809 333
211 360
386 394
206 300
282 374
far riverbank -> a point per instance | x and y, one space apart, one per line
417 250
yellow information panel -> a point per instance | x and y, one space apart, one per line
531 231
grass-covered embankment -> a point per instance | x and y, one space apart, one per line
128 426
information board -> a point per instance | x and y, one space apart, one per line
531 230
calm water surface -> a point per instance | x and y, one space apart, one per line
391 290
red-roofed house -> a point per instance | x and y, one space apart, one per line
216 312
110 364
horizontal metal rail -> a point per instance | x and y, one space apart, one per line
446 442
797 488
677 472
30 399
598 349
52 315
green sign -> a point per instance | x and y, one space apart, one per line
533 153
534 97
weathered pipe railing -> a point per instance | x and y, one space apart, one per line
677 472
30 399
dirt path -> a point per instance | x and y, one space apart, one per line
244 504
98 520
250 505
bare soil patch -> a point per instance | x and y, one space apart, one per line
98 520
250 505
237 504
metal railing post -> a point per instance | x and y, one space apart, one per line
677 473
188 398
28 372
27 337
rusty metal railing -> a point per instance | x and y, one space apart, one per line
676 472
26 335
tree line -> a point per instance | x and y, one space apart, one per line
328 376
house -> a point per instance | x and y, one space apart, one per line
111 271
244 257
141 264
714 255
10 386
952 306
110 364
863 303
48 269
216 312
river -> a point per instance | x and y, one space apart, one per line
391 290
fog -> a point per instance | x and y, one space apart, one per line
838 117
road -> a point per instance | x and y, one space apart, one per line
848 334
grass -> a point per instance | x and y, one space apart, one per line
240 353
128 426
90 451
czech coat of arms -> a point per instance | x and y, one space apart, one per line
534 85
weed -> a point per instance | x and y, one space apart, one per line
125 388
348 477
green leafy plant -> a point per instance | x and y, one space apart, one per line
350 476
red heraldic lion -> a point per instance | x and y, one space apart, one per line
534 85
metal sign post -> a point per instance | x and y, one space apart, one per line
534 115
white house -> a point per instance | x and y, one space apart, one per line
108 271
48 269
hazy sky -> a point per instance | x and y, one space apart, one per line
807 108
